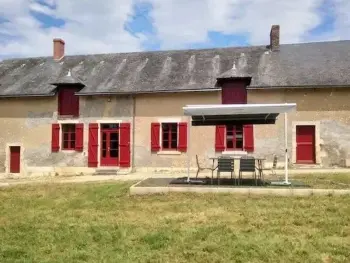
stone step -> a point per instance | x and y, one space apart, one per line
106 172
306 166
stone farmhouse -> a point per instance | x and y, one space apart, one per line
85 113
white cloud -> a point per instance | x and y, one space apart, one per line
98 26
179 22
91 27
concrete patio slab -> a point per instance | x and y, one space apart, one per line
136 189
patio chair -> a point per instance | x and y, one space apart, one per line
225 164
247 164
200 168
274 166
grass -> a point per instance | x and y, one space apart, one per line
325 181
102 223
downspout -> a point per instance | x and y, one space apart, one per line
133 168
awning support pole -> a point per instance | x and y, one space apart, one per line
188 149
286 148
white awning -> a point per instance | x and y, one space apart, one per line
237 109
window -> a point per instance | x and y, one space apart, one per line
234 137
169 136
68 102
68 136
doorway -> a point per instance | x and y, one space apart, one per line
15 159
109 144
305 144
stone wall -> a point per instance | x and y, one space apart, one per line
27 123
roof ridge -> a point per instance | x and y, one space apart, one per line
178 50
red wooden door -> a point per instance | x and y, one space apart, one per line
109 145
305 143
15 159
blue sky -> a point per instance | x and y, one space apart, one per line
28 26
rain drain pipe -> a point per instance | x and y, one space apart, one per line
133 168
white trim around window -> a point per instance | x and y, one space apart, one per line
168 152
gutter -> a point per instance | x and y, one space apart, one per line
133 133
28 95
144 92
296 87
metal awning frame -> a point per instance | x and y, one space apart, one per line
222 114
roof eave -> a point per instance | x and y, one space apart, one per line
28 95
296 87
145 92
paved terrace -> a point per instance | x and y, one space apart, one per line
6 180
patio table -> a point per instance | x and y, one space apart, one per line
259 162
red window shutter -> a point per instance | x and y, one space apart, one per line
248 138
155 136
124 145
79 137
220 138
182 146
93 145
68 102
55 140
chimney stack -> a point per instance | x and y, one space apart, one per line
275 37
58 48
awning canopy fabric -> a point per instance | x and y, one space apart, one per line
235 114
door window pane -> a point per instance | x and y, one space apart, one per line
113 153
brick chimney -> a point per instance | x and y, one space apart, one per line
58 48
275 37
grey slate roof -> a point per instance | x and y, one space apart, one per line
68 79
308 64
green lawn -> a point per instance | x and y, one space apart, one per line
102 223
325 181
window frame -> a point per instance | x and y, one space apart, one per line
162 148
234 138
71 142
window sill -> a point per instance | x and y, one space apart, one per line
234 152
67 117
68 151
169 153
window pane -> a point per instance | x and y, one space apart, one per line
166 144
173 127
104 136
114 136
68 127
174 136
65 136
173 144
113 153
239 144
229 144
110 126
72 136
65 144
114 145
165 127
72 144
104 153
